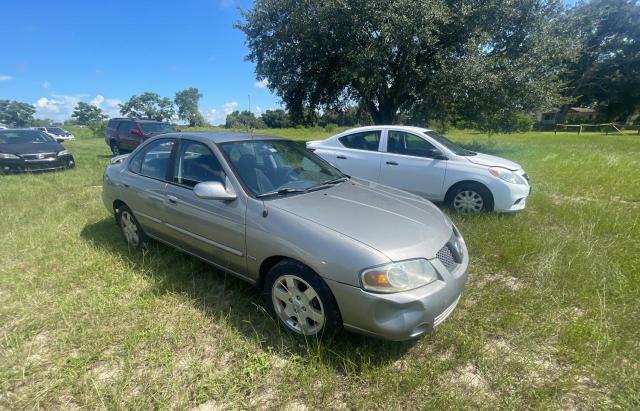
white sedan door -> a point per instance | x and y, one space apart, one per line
360 156
411 163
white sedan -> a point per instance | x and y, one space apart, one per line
57 133
426 163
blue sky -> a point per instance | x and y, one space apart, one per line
56 53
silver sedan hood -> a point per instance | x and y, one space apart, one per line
397 224
493 161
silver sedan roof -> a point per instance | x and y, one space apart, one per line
222 137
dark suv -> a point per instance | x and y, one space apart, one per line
125 134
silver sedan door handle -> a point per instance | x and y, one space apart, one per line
392 163
172 199
342 157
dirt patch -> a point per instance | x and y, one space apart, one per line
469 376
501 278
295 406
105 372
539 366
263 399
211 405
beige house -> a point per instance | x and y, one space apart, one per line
574 115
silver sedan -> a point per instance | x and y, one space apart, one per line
329 251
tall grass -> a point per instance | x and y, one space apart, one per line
549 318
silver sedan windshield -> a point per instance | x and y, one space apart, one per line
272 167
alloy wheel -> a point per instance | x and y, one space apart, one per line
129 228
468 201
298 305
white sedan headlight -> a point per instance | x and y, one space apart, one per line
507 175
65 153
9 157
401 276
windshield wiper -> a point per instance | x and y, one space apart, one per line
336 180
328 183
281 191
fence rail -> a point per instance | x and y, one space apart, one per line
617 127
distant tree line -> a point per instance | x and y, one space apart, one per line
279 118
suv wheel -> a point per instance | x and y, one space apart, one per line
115 149
301 300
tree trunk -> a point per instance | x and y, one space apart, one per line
383 114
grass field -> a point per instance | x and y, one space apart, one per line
550 317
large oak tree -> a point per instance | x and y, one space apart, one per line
607 72
484 58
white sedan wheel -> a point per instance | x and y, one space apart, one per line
468 202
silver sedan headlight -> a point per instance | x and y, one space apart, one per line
401 276
65 153
507 175
9 157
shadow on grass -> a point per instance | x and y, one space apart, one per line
226 298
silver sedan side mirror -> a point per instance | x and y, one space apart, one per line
213 190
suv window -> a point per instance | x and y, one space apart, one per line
157 128
154 161
367 140
125 127
195 163
399 142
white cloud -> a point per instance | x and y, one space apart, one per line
59 107
5 78
111 106
230 107
97 100
261 83
215 117
226 4
45 84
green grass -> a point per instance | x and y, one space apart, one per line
549 318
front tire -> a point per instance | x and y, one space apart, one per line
301 301
470 198
131 229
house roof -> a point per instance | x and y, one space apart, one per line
582 110
572 110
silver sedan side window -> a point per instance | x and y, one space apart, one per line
195 163
156 158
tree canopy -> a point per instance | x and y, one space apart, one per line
149 106
187 103
243 119
15 113
85 114
484 59
607 72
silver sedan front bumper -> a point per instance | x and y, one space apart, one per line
404 315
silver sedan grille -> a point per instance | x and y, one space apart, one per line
450 255
446 257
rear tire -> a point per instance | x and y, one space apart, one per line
470 198
115 149
301 301
131 230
